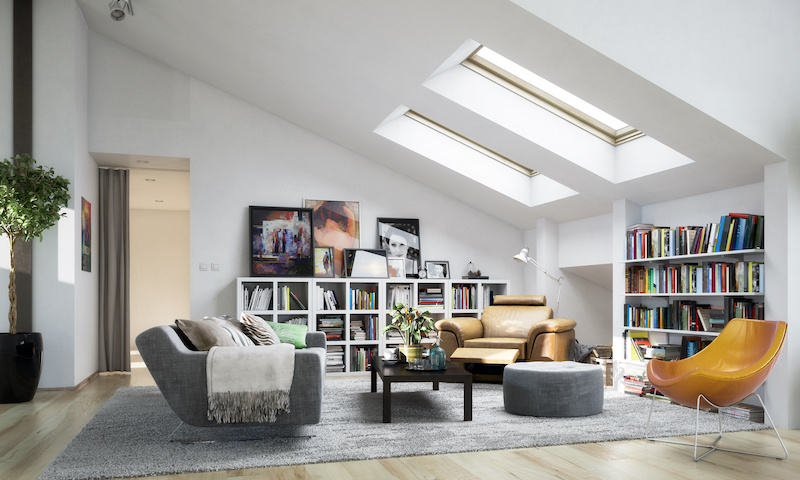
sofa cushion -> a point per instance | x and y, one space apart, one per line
259 330
498 342
291 333
205 334
234 328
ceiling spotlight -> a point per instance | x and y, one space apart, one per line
118 8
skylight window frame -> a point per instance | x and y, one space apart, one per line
528 91
411 114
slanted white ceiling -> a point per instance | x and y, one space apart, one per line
338 69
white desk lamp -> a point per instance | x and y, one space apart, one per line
523 257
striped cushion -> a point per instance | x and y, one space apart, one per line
234 328
258 330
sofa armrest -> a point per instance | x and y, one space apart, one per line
551 325
464 328
316 339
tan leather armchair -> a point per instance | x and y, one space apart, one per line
523 322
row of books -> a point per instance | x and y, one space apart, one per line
335 359
259 299
709 277
363 299
399 294
735 231
287 299
326 298
361 359
464 297
364 329
689 315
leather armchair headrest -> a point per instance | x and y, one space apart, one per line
528 300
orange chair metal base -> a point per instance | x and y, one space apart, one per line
713 445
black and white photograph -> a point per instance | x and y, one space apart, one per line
438 269
400 238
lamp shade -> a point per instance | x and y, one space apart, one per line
522 256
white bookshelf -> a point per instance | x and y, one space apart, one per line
375 307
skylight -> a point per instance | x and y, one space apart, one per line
555 99
470 159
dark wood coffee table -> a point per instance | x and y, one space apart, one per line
398 373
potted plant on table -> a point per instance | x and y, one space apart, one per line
413 326
31 199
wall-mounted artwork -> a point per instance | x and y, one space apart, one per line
400 238
281 242
337 225
86 235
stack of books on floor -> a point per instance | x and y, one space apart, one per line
333 327
634 380
335 360
754 413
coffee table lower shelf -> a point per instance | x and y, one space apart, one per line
398 373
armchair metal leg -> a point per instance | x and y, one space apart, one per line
713 445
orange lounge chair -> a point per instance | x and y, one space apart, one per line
726 372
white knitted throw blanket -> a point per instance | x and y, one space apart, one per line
249 384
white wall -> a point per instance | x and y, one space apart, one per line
242 156
64 297
159 275
6 128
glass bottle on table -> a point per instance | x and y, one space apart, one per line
438 357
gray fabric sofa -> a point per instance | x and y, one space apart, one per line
180 373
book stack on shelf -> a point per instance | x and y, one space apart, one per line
398 294
394 336
287 299
736 231
258 299
361 359
663 351
707 277
691 316
325 299
464 297
431 296
335 359
363 300
296 321
332 326
692 345
364 328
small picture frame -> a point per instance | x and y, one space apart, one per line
323 262
400 238
365 263
397 267
438 269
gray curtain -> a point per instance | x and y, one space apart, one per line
114 262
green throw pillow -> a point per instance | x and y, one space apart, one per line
290 333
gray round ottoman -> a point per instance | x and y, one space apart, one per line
553 389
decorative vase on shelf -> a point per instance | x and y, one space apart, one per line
438 357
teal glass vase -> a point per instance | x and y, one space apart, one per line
438 357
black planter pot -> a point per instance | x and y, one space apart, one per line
20 366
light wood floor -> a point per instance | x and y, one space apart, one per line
32 435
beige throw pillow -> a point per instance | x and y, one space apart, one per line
205 334
258 330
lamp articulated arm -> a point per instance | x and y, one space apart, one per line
523 257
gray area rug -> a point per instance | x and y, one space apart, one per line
136 434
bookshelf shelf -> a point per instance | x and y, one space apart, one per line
353 311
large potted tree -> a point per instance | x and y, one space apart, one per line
31 198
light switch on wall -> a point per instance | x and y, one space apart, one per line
215 267
203 267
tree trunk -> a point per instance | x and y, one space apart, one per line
12 291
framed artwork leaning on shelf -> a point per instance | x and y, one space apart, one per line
400 238
397 267
281 242
438 269
365 263
323 262
336 224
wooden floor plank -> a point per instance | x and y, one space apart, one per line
33 434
